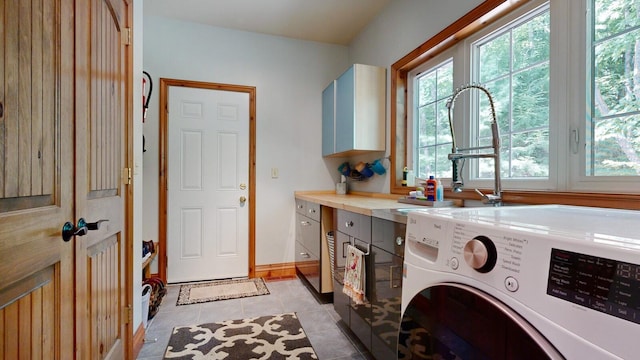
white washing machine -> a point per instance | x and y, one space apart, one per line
521 282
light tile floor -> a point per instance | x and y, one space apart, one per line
319 321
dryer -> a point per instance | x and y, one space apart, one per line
521 282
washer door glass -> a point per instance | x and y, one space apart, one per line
453 321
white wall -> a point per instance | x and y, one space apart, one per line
289 76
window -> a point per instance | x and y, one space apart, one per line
432 134
613 123
513 63
564 76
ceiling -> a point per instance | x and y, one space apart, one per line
329 21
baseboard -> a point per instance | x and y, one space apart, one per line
138 341
276 271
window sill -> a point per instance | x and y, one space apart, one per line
605 200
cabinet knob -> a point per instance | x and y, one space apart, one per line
349 224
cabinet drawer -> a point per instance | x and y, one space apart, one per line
301 206
308 233
353 224
308 265
309 209
388 235
313 211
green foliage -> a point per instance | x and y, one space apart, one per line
515 68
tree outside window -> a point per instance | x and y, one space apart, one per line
432 133
513 63
613 125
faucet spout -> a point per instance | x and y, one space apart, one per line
458 154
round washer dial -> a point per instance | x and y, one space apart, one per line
480 253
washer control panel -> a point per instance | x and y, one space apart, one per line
479 252
488 251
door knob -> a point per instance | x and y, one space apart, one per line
69 231
92 225
242 199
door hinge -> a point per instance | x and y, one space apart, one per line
127 314
126 36
126 176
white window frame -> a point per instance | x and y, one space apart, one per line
515 18
411 103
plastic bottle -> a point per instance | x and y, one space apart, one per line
411 178
432 187
439 191
404 176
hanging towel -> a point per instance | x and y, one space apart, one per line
354 275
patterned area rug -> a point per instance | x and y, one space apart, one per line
266 337
220 290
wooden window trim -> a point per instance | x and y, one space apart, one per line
475 20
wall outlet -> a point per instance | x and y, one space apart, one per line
274 173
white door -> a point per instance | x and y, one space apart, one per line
208 173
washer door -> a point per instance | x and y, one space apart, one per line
453 321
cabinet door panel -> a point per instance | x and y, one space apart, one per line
341 241
385 302
310 235
360 315
328 120
345 111
341 301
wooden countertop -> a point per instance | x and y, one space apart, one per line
361 203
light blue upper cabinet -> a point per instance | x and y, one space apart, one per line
359 108
328 119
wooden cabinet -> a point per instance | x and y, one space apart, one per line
356 122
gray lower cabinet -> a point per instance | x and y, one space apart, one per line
311 247
354 229
387 257
376 323
307 246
